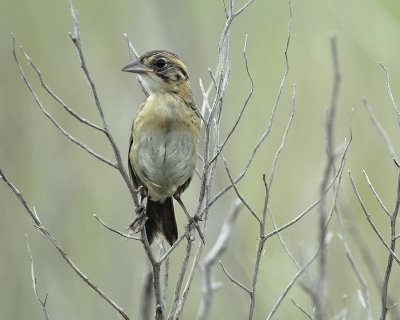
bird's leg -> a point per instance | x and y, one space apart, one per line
138 223
192 220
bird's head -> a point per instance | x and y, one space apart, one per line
161 71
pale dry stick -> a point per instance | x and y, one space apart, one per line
304 311
270 122
393 220
33 214
376 194
49 116
42 302
321 283
208 286
368 216
390 92
380 129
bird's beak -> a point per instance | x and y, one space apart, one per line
136 67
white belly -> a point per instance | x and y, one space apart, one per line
164 160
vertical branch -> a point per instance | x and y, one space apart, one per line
320 291
393 220
260 249
207 284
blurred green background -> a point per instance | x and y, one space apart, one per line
67 186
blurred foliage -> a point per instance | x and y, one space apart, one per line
67 186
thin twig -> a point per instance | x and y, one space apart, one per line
390 92
281 146
42 302
234 280
240 196
380 129
126 236
376 194
301 309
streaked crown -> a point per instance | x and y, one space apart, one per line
161 71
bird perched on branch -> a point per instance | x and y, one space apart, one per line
164 139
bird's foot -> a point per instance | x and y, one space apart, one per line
194 222
138 224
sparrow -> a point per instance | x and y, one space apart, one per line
164 139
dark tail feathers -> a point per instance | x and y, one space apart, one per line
161 219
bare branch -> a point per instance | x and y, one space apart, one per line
131 48
211 258
55 123
146 296
320 293
368 216
388 270
376 194
390 92
57 98
178 287
301 309
380 129
241 198
42 302
315 203
60 249
126 236
235 281
271 119
244 104
292 282
276 157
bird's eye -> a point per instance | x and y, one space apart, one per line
160 63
